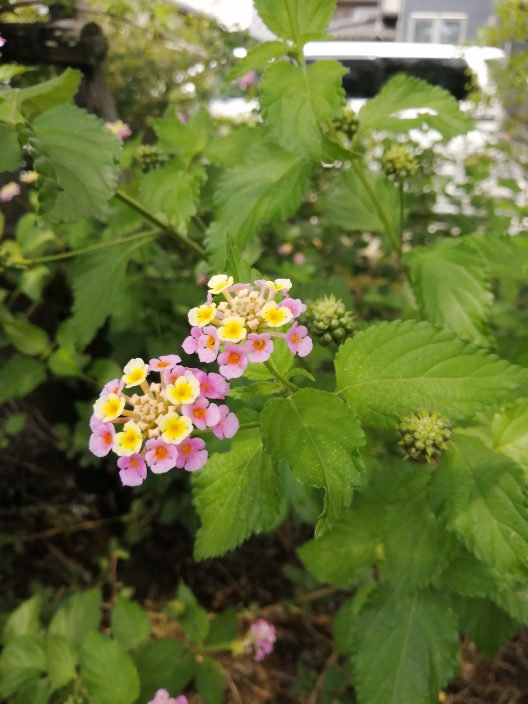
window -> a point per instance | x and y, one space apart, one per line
437 28
363 14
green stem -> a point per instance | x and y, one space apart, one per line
279 377
182 239
216 647
401 187
151 234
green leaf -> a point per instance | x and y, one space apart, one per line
296 102
19 376
173 192
418 546
468 576
33 280
63 362
182 140
510 432
34 692
318 438
514 601
22 660
261 388
236 267
15 423
232 150
299 372
392 369
25 336
257 58
343 625
131 624
47 95
349 206
75 156
11 153
484 623
353 542
506 257
98 282
210 682
270 186
281 360
78 616
107 671
61 661
24 621
405 650
290 19
223 627
194 619
235 494
482 495
452 289
405 93
163 664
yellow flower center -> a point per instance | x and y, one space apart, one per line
183 392
175 428
137 375
112 407
233 330
129 439
205 315
211 342
275 315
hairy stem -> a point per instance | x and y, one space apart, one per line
279 377
182 239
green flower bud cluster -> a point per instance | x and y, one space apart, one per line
149 158
174 608
328 320
424 435
397 161
347 124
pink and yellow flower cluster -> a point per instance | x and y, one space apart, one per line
156 429
241 328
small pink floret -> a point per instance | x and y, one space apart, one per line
9 191
258 347
102 438
2 41
295 305
233 361
297 340
170 375
165 363
208 344
228 425
160 457
202 414
190 344
113 387
191 454
262 636
133 470
212 385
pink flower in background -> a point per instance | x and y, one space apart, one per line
212 385
228 425
258 347
285 248
262 637
160 456
102 437
190 344
165 363
191 454
297 340
295 305
163 697
133 470
120 129
249 79
182 118
208 344
202 414
299 259
233 362
2 41
9 191
113 387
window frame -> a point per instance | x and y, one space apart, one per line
437 18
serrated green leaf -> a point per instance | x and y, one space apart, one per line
75 155
290 19
482 496
257 58
25 336
257 390
235 494
514 602
418 546
405 650
78 616
318 438
11 153
63 362
232 150
22 660
61 661
163 664
510 432
24 621
296 102
506 257
269 186
44 96
485 623
108 671
467 576
281 360
98 282
236 267
299 372
210 682
393 369
451 286
352 543
131 624
173 192
194 619
349 206
34 692
408 93
342 627
183 140
19 376
305 503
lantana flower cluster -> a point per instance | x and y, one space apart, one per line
163 697
241 328
260 640
155 427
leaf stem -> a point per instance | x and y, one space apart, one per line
279 377
401 188
216 647
182 239
150 234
